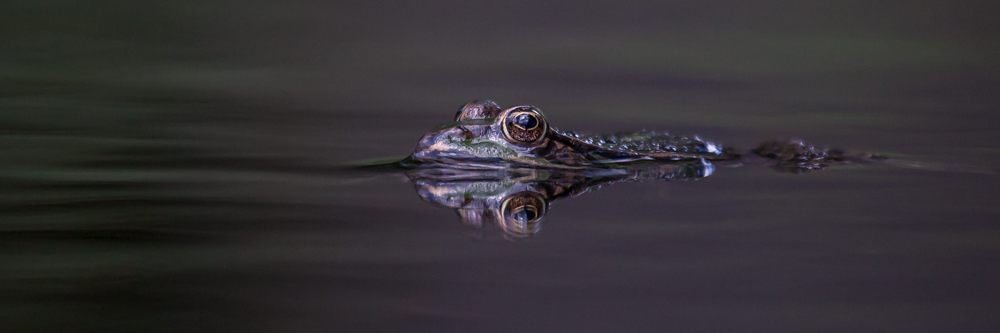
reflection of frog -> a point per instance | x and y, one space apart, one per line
515 200
485 137
502 168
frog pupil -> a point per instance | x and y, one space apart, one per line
525 121
526 215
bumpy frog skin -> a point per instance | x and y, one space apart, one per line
483 136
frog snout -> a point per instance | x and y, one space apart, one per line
441 143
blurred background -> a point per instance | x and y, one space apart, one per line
787 67
172 165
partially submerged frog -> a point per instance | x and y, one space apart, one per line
484 136
500 168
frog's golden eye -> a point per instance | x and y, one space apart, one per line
522 213
524 125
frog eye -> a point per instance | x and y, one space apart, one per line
522 213
524 125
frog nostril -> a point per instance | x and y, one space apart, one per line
458 133
466 134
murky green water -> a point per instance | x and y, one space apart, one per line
174 167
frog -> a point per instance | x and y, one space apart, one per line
500 169
483 135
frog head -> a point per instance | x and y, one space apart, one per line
483 135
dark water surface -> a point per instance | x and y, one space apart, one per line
183 167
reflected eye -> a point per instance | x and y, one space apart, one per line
525 214
522 213
524 125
